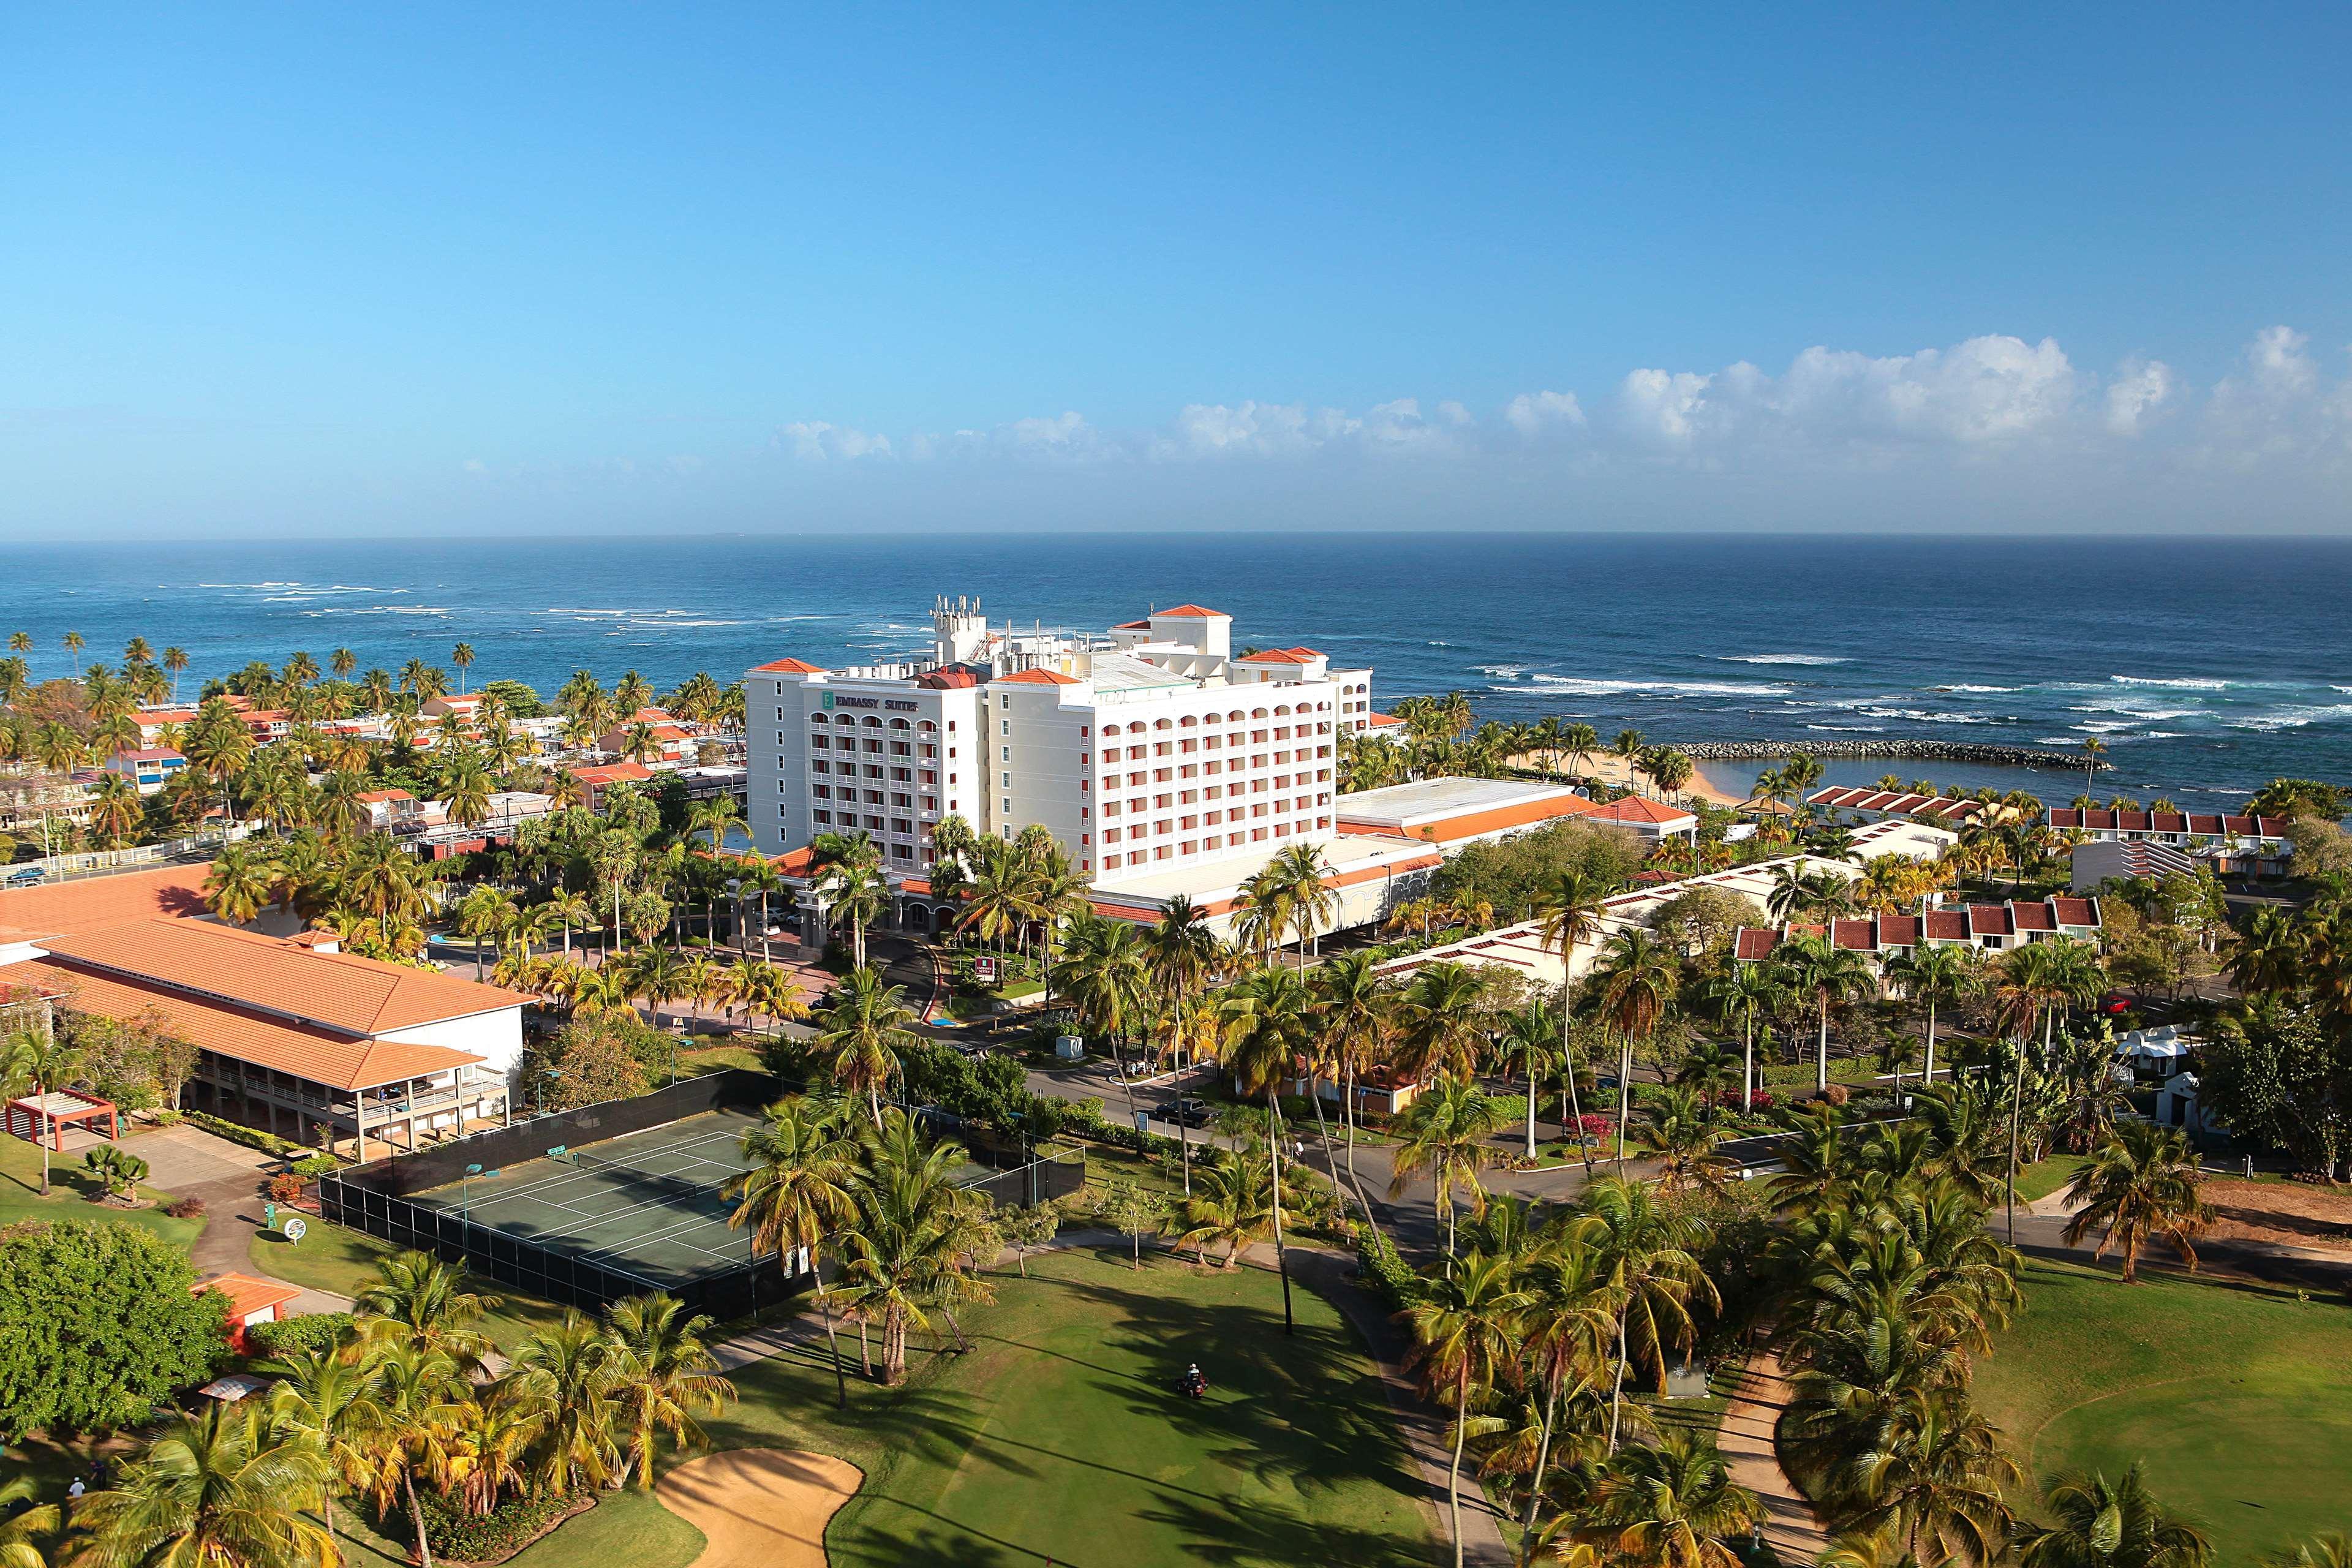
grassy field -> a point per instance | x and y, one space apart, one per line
2044 1177
1059 1437
2237 1401
330 1258
70 1190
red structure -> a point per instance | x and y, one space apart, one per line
36 1115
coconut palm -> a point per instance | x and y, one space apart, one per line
793 1194
229 1485
911 1235
1566 1322
1231 1204
1463 1331
1636 977
418 1390
1106 978
418 1299
1831 976
1569 911
1934 976
1445 1135
665 1376
1939 1487
1679 1132
2329 1549
1443 1020
29 1530
1671 1506
572 1369
1645 1252
2097 1523
1268 1027
862 1028
485 1444
39 1059
2141 1184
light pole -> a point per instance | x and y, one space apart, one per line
466 1192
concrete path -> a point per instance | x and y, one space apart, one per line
188 1162
1796 1536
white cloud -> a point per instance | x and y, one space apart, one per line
1537 413
819 440
2142 390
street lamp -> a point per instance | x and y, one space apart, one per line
466 1192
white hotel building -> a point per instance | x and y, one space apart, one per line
1146 750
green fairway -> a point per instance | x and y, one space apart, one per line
2237 1402
1060 1436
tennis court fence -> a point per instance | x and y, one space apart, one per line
376 1198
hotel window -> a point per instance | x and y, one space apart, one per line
1005 726
822 815
1005 753
1187 848
1008 781
1113 834
1214 817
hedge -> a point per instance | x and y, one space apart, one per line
251 1137
1383 1272
312 1334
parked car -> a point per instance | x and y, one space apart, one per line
2114 1004
1190 1111
29 877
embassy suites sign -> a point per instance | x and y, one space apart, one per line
897 704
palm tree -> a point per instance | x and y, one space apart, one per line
40 1059
1645 1252
1355 1018
74 644
1680 1136
418 1299
571 1370
1445 1020
331 1397
1832 976
1672 1505
1934 976
1747 992
1939 1485
462 656
2141 1184
418 1389
913 1231
227 1486
239 884
862 1028
1637 975
1581 739
1569 910
665 1376
1566 1321
793 1194
859 893
1463 1338
2098 1524
1445 1133
1269 1028
1105 977
1231 1204
2329 1549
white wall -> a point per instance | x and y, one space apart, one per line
495 1037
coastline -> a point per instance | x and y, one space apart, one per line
1617 773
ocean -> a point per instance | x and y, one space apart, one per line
2207 666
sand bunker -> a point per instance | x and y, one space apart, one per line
759 1507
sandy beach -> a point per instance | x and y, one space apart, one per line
1616 772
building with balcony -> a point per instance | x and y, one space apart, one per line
290 1035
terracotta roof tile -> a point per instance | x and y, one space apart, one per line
70 908
338 990
1946 925
1189 613
1989 920
1898 931
1036 677
321 1056
2075 911
2033 917
789 666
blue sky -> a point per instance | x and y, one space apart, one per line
274 271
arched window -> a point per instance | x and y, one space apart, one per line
1164 724
819 719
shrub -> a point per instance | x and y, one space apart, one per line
98 1322
1837 1094
313 1333
311 1167
464 1538
185 1208
251 1137
1383 1272
284 1187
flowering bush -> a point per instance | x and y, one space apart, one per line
1592 1128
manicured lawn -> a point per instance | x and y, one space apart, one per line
330 1257
1059 1436
71 1188
2239 1402
2044 1177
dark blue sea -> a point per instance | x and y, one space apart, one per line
2207 667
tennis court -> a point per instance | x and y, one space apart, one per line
648 1203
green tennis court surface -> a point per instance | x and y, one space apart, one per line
648 1203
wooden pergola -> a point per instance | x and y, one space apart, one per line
38 1117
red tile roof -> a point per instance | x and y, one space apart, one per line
69 908
1635 808
1036 677
1132 626
248 1294
1898 931
2032 917
1856 934
321 1056
2075 911
1276 656
1989 920
1189 613
612 773
789 666
1755 943
338 991
947 680
1383 720
1946 925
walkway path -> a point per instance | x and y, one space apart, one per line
1796 1536
188 1162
